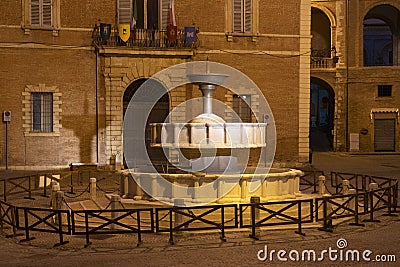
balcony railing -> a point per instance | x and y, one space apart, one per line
145 38
322 63
324 58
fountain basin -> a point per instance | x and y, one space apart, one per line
278 184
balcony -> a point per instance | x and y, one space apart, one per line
146 39
323 58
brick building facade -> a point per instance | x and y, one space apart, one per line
53 61
359 96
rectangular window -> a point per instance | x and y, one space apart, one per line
242 15
241 108
41 12
147 14
42 112
384 90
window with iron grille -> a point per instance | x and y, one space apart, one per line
41 12
242 15
241 107
384 90
42 112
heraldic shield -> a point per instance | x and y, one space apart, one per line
105 31
124 32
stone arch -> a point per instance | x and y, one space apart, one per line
380 35
323 32
331 16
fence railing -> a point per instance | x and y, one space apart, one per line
43 220
277 213
310 180
147 38
196 218
118 221
363 200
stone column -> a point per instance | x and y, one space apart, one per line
115 200
92 187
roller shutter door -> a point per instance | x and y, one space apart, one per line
384 134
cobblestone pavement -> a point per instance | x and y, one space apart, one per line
195 249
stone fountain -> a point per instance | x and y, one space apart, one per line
215 150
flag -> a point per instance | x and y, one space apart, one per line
172 20
172 33
135 17
190 34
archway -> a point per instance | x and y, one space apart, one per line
321 43
322 109
158 114
380 32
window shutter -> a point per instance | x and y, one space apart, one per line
237 15
247 15
46 13
35 12
164 13
124 11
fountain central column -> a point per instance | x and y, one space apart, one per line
207 90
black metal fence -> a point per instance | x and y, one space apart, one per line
196 218
118 221
324 209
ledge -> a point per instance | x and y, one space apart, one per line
152 52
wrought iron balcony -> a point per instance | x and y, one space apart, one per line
145 38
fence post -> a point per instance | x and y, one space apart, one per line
26 226
72 184
58 204
171 228
255 216
88 243
353 204
138 229
327 227
299 231
92 188
5 189
30 189
321 185
223 238
390 203
44 185
60 230
371 200
115 200
372 187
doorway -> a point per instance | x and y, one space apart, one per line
158 114
322 109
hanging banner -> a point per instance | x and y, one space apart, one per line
124 32
190 34
105 31
172 33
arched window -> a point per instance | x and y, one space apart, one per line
380 36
